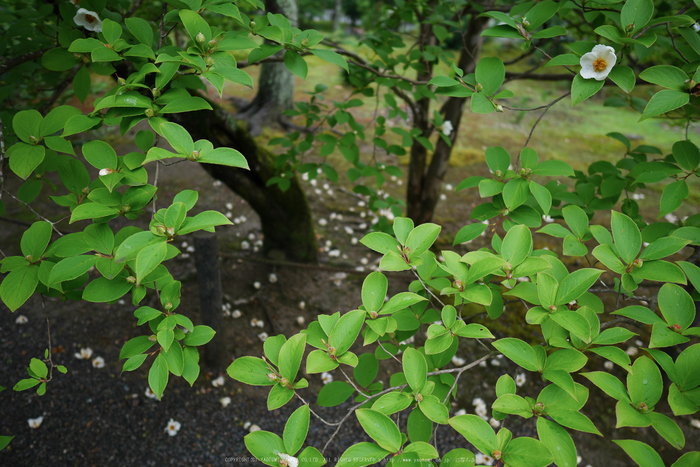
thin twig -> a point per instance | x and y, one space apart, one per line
532 130
39 216
352 383
392 355
2 157
426 288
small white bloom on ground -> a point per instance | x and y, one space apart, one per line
229 215
638 196
495 362
255 322
98 362
609 365
639 343
287 460
190 249
353 241
520 379
300 320
150 394
263 336
236 314
246 425
35 422
494 423
88 19
173 427
245 245
364 261
632 351
322 222
216 183
443 196
302 305
218 382
348 230
448 187
695 422
483 459
598 63
478 401
229 206
460 412
482 411
272 278
256 284
326 377
548 219
334 253
21 319
671 218
254 428
458 361
225 401
579 459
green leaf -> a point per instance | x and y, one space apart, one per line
515 192
24 158
667 76
643 454
250 370
296 64
497 159
421 238
380 242
415 368
676 305
148 259
141 30
278 397
206 220
527 452
392 402
628 239
374 290
490 73
19 285
664 101
542 195
331 57
224 156
559 442
553 168
178 137
668 429
71 268
186 104
576 284
346 330
517 245
610 385
35 240
158 376
380 428
265 446
433 409
513 404
58 59
477 431
582 89
362 454
200 335
519 352
673 195
290 356
296 429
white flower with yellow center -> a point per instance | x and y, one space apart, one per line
98 362
88 19
35 422
84 354
288 461
598 63
173 427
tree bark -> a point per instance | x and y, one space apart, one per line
276 83
285 216
423 179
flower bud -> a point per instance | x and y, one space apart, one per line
305 42
499 174
152 338
200 39
33 139
373 314
131 280
156 92
209 61
212 44
637 263
194 156
676 328
160 229
496 454
479 87
170 231
150 113
126 207
526 23
121 81
104 172
272 377
499 108
29 258
552 308
252 27
168 306
419 398
539 407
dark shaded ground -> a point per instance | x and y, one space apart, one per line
92 416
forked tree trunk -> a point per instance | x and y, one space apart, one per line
287 224
424 179
276 83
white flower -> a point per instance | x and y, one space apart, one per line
609 365
478 401
272 278
287 460
495 362
98 362
693 421
302 305
104 172
598 63
254 428
326 377
520 379
21 319
35 422
483 459
245 245
460 412
236 314
334 253
218 382
638 196
150 394
482 411
671 218
224 401
494 423
446 128
300 320
84 354
256 284
246 425
255 322
88 19
458 361
632 351
229 206
263 336
173 427
322 222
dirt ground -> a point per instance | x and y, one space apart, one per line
93 416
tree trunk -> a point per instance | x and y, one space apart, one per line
286 219
337 13
424 180
276 82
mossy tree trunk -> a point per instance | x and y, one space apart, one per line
285 216
423 188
